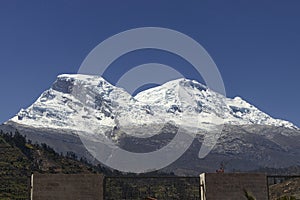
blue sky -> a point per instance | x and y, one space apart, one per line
255 44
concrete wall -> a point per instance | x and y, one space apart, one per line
67 187
231 186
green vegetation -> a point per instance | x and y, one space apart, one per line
136 188
14 169
19 158
248 195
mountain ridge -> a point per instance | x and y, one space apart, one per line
90 107
74 92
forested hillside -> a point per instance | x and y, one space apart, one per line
19 158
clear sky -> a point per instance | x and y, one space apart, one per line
255 44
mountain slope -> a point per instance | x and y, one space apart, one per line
88 106
19 158
13 172
79 101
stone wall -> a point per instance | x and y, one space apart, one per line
67 187
232 186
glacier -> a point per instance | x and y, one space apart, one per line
90 107
84 102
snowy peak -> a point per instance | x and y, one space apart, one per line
169 93
85 102
65 82
72 101
207 103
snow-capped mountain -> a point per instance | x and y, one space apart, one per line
78 102
87 105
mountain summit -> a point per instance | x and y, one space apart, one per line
77 100
90 107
